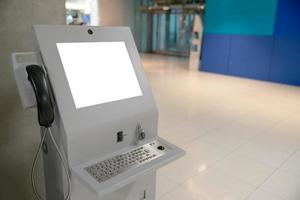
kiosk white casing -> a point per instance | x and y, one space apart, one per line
88 134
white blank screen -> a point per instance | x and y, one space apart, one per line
98 72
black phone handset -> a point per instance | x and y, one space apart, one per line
37 78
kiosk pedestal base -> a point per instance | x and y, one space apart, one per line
143 188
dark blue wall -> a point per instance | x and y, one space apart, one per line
215 54
288 18
285 66
272 58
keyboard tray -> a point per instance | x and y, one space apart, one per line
103 176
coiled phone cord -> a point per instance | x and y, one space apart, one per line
64 163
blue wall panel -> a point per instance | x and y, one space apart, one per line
286 61
215 53
250 56
288 18
246 17
251 46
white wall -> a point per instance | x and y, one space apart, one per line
19 131
117 13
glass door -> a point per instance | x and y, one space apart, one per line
171 33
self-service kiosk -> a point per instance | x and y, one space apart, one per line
98 117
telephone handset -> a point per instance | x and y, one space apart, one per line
38 80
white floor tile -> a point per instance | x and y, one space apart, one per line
183 193
259 120
163 186
211 115
284 185
282 142
216 185
232 136
181 134
263 195
212 120
248 170
292 165
261 152
198 158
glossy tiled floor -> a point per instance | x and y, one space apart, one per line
242 137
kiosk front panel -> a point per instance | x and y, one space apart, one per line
105 117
